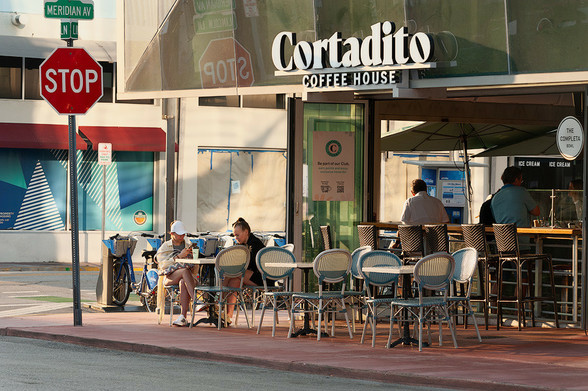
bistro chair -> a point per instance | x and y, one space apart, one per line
230 263
289 247
270 298
474 236
355 297
507 243
330 266
367 236
437 239
411 239
377 258
434 273
171 294
326 236
466 261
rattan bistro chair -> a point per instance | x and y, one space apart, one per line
273 299
230 263
330 266
508 251
437 239
411 239
474 236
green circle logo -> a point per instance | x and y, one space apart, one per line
333 148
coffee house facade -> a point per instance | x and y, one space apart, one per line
318 88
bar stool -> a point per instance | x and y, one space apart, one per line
367 236
508 251
474 235
411 239
436 238
326 235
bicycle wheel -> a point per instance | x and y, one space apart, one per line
121 283
149 300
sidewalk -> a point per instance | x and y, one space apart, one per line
535 358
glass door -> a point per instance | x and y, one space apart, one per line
332 175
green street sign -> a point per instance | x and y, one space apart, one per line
69 9
69 29
205 6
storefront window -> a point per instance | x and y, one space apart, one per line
241 183
32 88
10 77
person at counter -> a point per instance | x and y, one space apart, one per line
421 208
243 235
169 257
513 203
576 197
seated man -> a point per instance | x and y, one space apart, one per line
421 208
513 203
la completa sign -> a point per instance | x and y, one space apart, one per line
353 62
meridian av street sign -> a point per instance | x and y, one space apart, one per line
69 9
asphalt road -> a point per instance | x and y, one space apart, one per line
27 364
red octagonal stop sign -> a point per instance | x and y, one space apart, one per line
225 63
71 80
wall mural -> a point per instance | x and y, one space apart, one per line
33 188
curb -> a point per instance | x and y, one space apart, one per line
300 367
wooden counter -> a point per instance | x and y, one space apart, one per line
456 228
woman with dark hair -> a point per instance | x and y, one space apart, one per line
252 277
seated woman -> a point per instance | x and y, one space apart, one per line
169 258
252 277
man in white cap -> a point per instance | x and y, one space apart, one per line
169 257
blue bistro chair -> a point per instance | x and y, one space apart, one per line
230 263
466 261
434 273
330 266
377 258
276 300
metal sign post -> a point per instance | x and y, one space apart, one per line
104 159
64 99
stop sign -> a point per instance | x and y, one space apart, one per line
225 63
71 80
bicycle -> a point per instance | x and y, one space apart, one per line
123 275
146 288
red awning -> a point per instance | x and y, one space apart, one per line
37 136
126 138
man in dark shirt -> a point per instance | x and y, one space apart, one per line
252 276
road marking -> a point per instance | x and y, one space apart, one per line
14 292
15 305
35 309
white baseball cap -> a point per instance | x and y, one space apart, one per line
178 228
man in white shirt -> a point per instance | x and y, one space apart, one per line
421 208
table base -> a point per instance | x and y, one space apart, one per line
407 341
307 331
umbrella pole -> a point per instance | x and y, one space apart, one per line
584 298
466 161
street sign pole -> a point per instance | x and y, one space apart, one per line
67 100
73 188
